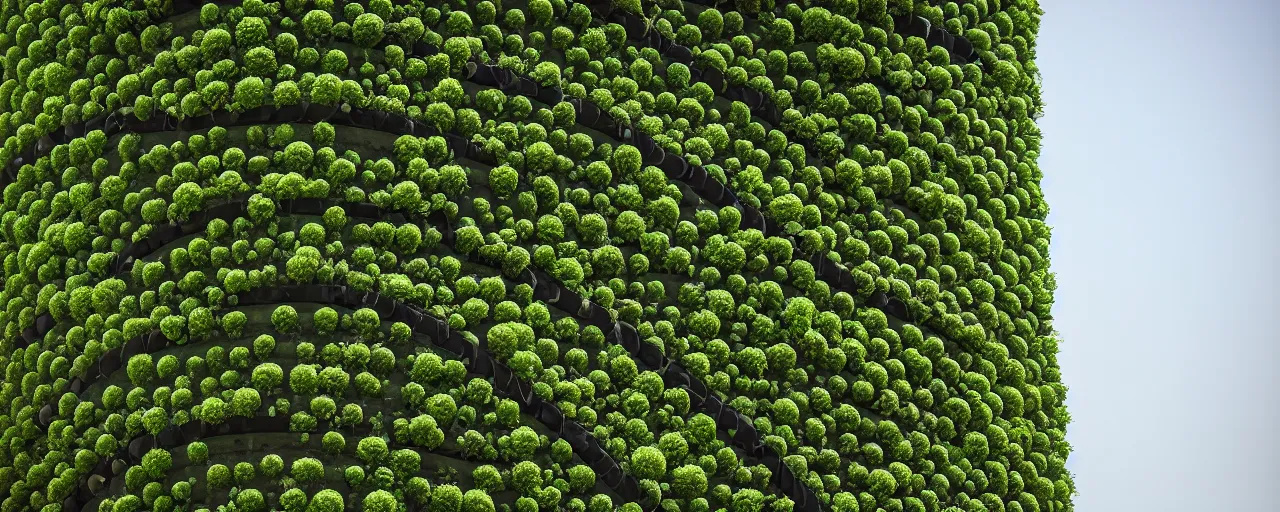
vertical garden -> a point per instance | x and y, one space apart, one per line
526 255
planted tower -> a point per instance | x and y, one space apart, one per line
523 255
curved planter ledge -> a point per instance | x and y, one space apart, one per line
908 25
476 358
545 288
163 122
95 484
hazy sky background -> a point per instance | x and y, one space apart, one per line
1160 151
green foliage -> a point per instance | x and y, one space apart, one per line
648 462
890 162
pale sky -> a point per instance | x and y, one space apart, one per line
1159 159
